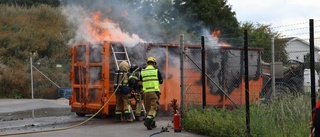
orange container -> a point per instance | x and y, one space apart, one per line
93 68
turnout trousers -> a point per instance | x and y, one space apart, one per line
123 104
151 104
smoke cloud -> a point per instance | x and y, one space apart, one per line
115 21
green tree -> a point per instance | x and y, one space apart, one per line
210 14
163 21
260 36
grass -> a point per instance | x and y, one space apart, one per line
286 118
41 30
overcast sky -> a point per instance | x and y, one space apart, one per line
290 17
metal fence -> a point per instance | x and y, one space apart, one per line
224 73
48 76
224 68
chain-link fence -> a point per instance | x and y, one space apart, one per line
224 72
224 75
44 78
48 76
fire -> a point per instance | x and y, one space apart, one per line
104 29
216 34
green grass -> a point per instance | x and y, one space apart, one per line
40 29
286 118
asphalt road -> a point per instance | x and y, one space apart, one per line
38 118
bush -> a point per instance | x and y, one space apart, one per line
14 83
42 30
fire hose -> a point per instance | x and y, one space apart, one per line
73 126
164 129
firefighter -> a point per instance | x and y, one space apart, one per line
315 123
136 87
123 93
151 80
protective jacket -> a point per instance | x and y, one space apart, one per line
150 81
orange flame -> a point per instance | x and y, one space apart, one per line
104 29
216 35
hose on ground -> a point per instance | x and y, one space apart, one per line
73 126
164 129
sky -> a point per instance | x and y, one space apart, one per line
289 17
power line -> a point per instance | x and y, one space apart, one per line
294 29
289 25
297 34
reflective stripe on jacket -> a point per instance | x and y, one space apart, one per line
150 82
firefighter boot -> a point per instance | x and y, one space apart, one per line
128 117
153 125
137 118
118 117
148 123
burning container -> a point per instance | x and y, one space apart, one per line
94 66
225 77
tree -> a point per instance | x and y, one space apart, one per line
165 20
260 37
210 14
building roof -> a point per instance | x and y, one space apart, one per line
291 39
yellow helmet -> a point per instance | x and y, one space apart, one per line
151 59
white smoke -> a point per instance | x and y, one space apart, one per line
210 41
80 18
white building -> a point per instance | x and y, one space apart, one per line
298 48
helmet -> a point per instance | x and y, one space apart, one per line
151 59
133 67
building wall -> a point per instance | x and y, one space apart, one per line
297 49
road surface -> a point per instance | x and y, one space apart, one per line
35 118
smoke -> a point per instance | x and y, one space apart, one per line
93 27
212 39
124 22
139 54
115 21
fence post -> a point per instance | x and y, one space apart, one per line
312 74
246 74
203 75
273 78
31 75
182 75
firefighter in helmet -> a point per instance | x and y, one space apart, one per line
136 87
151 79
122 93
